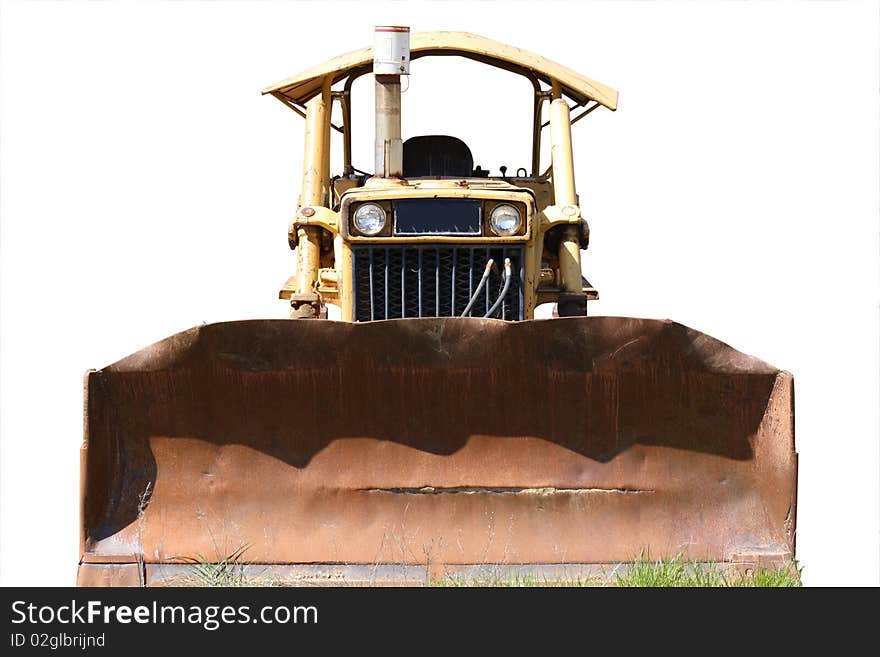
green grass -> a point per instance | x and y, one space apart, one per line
645 572
788 576
227 571
678 572
672 572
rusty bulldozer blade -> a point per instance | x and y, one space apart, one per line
329 447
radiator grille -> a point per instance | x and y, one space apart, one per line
396 281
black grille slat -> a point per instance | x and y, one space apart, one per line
437 283
361 285
452 294
394 298
433 280
411 282
385 279
429 284
471 275
420 282
444 273
462 279
372 288
403 283
380 289
488 285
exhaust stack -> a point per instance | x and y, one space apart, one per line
390 61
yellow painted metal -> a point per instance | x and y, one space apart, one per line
303 86
344 267
414 191
476 188
315 215
570 260
313 148
531 269
538 222
564 193
345 106
551 204
309 246
561 154
327 102
316 174
537 108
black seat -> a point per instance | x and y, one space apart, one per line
438 156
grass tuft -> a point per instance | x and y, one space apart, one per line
784 576
678 572
226 572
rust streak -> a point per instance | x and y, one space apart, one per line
500 490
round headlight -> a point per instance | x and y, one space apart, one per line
505 220
369 219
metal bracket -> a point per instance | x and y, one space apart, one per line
555 215
572 304
307 306
315 215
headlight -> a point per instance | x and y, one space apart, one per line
505 220
369 219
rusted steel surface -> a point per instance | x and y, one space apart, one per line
110 574
438 441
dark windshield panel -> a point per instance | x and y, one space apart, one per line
432 216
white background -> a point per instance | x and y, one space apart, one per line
146 187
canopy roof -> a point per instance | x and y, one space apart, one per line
300 88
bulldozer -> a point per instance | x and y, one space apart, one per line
437 428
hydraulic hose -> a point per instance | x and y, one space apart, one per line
479 289
500 299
